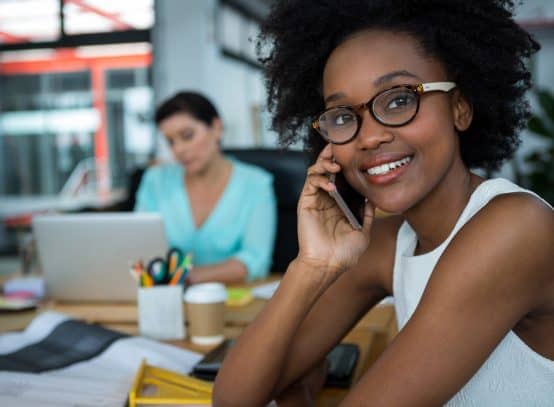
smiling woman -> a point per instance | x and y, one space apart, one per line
405 97
221 210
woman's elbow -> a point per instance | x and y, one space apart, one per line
225 396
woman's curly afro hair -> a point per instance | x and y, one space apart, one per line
483 50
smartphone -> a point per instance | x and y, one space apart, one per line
342 362
350 201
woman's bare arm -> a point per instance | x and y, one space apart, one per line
230 272
321 296
295 330
495 271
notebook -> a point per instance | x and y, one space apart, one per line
86 257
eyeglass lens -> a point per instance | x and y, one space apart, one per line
393 107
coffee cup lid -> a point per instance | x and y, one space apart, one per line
205 293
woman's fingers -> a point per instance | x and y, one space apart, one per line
324 158
369 215
324 167
316 182
318 173
326 153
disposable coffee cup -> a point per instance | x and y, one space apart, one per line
160 312
205 311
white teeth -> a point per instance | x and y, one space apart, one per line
384 168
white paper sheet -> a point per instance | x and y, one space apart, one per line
265 291
37 330
101 381
28 389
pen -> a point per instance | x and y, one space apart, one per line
185 263
179 275
176 278
185 272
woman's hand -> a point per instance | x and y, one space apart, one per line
326 238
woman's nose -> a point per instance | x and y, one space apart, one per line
178 147
372 134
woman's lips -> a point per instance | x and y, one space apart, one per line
386 172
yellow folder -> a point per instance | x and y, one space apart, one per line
153 386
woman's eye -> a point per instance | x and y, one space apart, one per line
343 119
400 102
187 136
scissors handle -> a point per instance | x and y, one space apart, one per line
157 269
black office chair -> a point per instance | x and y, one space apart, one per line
289 173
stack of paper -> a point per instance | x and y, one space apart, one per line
103 380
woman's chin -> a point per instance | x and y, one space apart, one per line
392 206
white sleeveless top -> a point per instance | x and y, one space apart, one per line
514 374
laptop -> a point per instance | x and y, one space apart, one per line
87 257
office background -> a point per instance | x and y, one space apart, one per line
79 80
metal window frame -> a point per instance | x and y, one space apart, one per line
233 54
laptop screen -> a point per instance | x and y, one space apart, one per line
87 257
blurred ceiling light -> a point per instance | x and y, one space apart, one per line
88 16
113 50
29 20
23 9
27 55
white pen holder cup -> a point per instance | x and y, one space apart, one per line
160 312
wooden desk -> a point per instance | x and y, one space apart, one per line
371 334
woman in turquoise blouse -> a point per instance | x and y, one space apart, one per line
221 210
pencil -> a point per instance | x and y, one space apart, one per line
176 276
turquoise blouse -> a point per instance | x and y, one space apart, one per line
241 225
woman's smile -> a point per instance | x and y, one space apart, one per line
385 169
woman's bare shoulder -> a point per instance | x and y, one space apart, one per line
525 223
510 240
518 216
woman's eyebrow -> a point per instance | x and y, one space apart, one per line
377 82
334 96
393 75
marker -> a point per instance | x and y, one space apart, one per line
176 279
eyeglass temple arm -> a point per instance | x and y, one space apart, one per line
432 86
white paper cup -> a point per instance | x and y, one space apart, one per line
160 312
205 310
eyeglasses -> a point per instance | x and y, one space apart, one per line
392 107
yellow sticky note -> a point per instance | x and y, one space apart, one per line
237 297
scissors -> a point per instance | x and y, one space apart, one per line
157 269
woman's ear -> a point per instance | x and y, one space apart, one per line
463 111
217 127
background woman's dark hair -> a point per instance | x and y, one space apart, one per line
483 50
194 104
